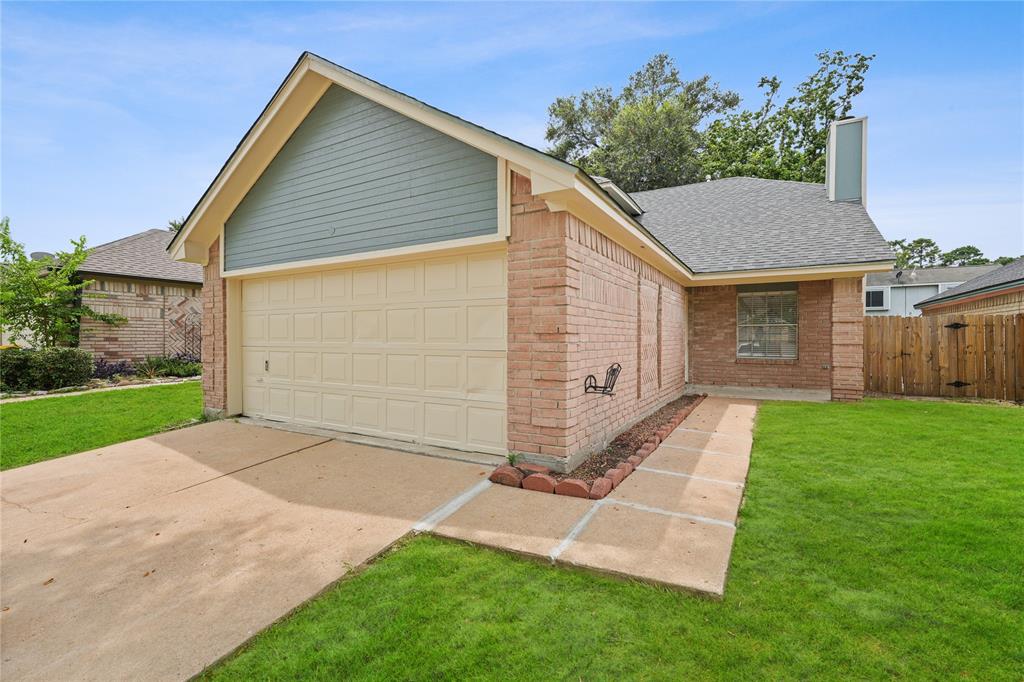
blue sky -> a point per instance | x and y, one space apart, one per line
115 117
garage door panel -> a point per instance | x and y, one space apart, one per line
336 368
368 413
403 371
279 403
367 369
402 417
279 365
411 349
485 427
306 406
486 325
404 281
336 286
335 410
367 284
306 327
254 329
485 375
279 292
336 325
443 373
486 274
306 290
367 326
279 327
443 325
403 325
444 423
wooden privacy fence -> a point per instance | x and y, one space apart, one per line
973 356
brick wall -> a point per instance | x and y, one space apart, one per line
713 341
579 302
157 316
1003 304
847 338
215 356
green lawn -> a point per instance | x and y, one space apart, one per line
35 430
881 539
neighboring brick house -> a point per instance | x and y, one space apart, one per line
160 298
997 292
378 266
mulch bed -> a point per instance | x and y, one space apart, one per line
626 443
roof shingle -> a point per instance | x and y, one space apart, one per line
738 224
143 255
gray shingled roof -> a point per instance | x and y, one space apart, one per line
141 255
739 224
1006 276
928 275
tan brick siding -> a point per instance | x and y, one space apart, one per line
155 313
713 341
1004 304
215 355
579 302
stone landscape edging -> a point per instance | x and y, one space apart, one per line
537 477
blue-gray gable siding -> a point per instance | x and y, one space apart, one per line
356 177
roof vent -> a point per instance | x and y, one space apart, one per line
618 195
846 160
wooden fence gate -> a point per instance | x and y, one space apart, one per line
974 356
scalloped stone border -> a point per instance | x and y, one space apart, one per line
538 478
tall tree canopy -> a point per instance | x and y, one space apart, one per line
925 253
645 137
787 141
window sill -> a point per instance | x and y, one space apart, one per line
767 361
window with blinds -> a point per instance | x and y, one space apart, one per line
766 325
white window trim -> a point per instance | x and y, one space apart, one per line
886 303
795 326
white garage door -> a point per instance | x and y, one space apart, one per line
412 350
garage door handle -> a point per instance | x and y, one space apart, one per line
266 365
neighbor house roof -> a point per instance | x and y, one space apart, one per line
143 255
996 281
739 224
927 275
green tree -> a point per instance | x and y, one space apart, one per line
41 299
964 255
918 253
787 141
1006 260
175 224
645 137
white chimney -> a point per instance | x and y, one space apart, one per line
846 160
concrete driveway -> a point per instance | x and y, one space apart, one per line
153 558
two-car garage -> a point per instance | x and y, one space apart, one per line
411 349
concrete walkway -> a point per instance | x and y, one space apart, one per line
671 522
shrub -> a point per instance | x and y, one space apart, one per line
28 369
105 370
169 367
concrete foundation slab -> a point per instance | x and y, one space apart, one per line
517 520
665 549
721 467
720 501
